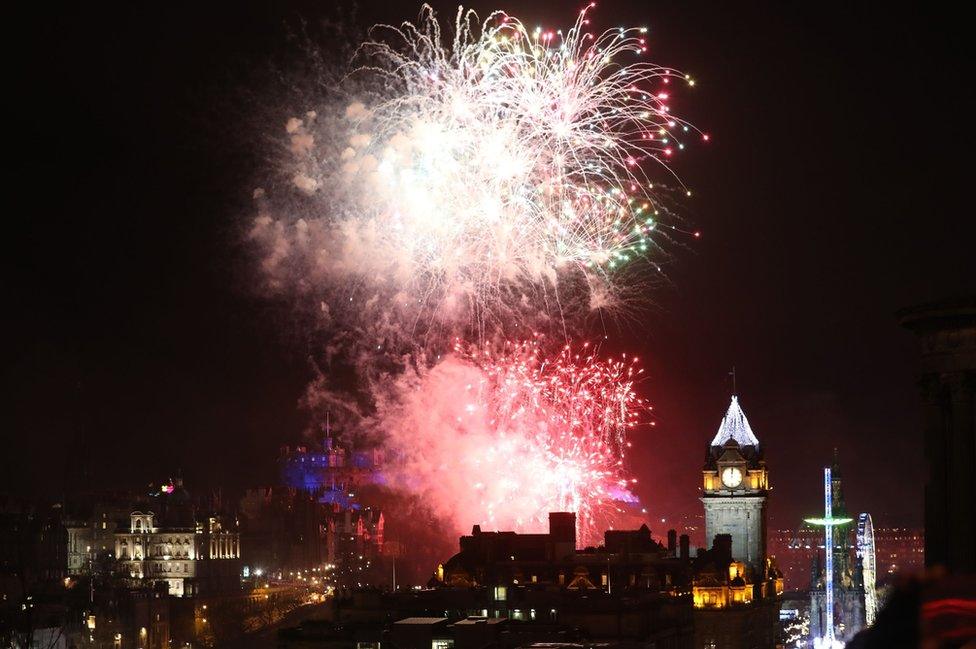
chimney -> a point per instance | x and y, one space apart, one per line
672 542
685 544
562 527
722 545
562 534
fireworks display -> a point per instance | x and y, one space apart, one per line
457 183
506 437
481 187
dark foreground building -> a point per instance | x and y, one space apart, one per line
947 334
506 590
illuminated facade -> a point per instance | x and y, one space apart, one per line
734 606
174 555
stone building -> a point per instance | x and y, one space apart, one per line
333 468
735 585
947 334
735 485
186 558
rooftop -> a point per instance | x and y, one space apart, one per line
421 620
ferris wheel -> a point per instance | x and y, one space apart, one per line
865 552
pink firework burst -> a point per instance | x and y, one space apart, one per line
559 432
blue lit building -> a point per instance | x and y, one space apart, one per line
332 474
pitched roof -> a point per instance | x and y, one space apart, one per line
735 426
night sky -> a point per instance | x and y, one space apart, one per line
835 190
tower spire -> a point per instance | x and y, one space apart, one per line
735 426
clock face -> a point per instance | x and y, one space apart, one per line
731 477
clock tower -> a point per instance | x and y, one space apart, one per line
734 489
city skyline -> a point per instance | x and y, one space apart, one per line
396 325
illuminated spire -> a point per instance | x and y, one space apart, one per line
735 426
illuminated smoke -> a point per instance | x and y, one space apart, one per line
501 439
455 186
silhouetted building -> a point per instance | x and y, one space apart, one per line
947 333
128 618
628 560
286 529
91 524
898 550
508 589
283 529
33 558
795 551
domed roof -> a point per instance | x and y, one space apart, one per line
735 426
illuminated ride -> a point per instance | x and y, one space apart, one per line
865 552
828 522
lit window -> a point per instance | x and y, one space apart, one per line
501 593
